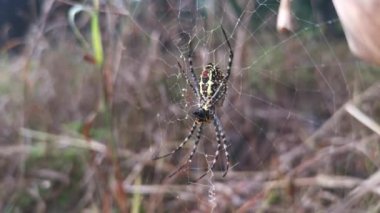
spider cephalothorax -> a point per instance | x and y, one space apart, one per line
210 92
202 115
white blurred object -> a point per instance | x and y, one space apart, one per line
284 18
361 24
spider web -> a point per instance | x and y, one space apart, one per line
210 47
282 90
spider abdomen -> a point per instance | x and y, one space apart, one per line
210 80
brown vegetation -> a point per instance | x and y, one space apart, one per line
301 116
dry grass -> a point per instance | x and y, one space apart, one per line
301 118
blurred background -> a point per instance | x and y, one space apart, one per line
90 92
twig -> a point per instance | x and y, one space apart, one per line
331 123
324 181
362 118
64 140
369 185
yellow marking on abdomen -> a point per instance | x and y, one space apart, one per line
210 83
201 86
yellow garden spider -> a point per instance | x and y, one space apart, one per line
210 92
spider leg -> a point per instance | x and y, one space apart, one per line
218 149
190 59
195 124
230 58
199 133
195 89
219 94
224 143
221 140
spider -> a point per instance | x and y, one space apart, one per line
210 92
